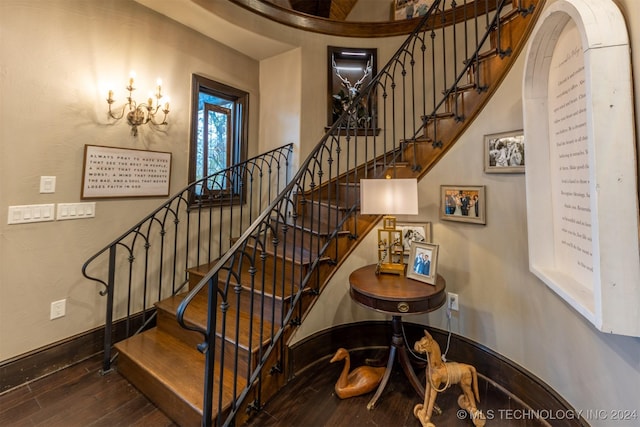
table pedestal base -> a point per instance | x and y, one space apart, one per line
398 346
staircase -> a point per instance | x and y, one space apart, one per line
231 282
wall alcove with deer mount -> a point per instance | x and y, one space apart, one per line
349 70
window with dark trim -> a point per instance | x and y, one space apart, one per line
218 137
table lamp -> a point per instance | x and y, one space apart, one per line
389 197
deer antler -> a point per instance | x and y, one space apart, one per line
367 71
352 89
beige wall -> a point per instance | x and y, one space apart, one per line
55 57
503 306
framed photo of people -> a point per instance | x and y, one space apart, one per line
504 152
409 9
413 232
463 203
423 261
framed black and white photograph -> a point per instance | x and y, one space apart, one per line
463 203
423 260
413 232
504 152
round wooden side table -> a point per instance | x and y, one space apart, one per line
396 295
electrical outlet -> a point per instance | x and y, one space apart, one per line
452 301
58 309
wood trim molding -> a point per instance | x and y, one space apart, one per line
316 24
521 385
54 357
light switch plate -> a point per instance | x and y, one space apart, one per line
76 210
47 184
31 213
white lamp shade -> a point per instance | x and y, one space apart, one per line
389 196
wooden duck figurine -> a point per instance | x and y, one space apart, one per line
359 381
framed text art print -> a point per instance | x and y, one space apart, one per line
122 172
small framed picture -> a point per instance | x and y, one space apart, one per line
423 260
462 203
504 152
409 9
413 232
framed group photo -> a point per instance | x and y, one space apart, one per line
423 260
504 152
463 203
409 9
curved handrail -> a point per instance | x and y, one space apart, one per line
321 25
337 155
154 250
340 122
179 195
292 238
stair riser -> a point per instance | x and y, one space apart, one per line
276 270
261 302
167 323
170 403
490 69
319 216
296 238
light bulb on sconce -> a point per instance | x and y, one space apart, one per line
140 114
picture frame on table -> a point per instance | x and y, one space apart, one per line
413 232
504 152
423 262
463 203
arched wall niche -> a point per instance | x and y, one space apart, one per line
581 164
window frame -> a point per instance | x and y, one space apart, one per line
237 147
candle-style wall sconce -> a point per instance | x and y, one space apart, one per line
140 114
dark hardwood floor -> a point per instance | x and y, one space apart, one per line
310 400
80 396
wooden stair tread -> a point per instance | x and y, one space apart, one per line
460 89
280 293
330 203
302 226
444 130
176 366
196 314
289 252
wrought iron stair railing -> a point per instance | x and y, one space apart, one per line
150 261
341 158
268 268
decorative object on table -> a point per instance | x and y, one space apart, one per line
423 262
413 232
360 381
139 114
504 152
389 197
445 374
463 203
